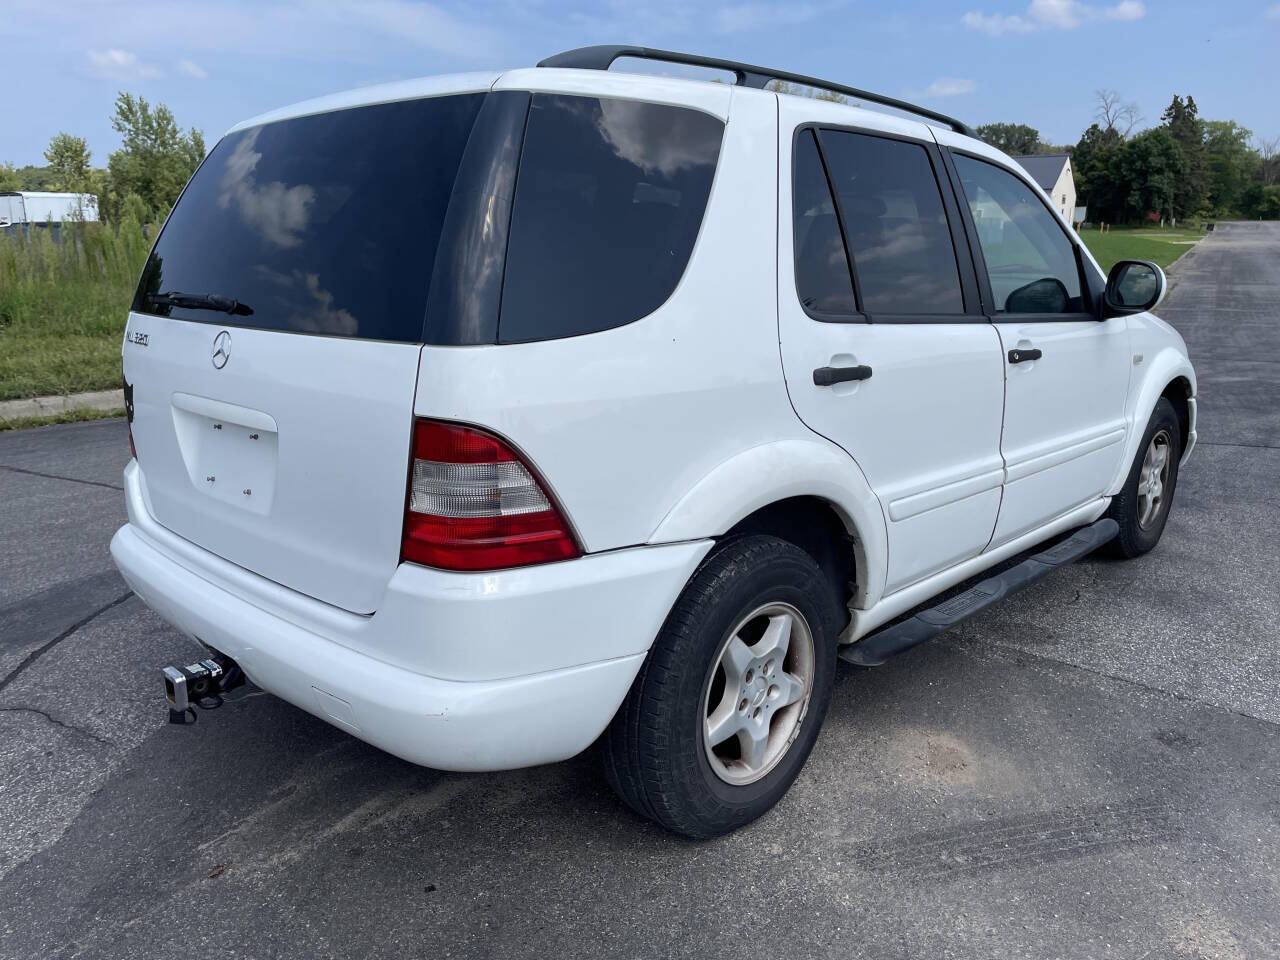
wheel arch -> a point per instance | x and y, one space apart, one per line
1169 375
798 490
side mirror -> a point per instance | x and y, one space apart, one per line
1132 287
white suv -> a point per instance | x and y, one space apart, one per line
490 416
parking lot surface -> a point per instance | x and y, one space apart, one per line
1091 770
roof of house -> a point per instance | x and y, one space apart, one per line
1044 168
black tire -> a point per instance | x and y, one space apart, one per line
1137 537
653 752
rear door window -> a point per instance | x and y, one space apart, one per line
895 225
822 267
325 224
609 199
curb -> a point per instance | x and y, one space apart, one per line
104 400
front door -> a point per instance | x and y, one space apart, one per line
1066 372
885 349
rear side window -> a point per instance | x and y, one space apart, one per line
323 224
609 199
895 224
822 268
1030 262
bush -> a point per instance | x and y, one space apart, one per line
64 304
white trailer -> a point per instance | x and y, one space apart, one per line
30 206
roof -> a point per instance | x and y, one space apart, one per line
1044 168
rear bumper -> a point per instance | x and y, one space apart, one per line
577 633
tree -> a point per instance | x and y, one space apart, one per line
1149 167
68 160
1015 139
1095 162
1231 166
1182 121
1115 114
1269 153
155 158
10 181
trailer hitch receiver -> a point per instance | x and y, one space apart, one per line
199 683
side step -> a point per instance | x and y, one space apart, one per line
876 648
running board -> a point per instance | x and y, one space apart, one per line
875 649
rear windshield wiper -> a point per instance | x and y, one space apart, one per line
200 301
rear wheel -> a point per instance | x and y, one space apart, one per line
728 704
1143 504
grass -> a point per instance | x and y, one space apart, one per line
66 416
1157 244
63 307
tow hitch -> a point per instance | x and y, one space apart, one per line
200 684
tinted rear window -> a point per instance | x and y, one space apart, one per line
325 224
895 224
608 203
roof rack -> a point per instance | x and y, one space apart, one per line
602 57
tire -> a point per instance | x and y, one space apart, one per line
1140 524
747 595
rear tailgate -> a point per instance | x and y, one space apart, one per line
290 460
273 347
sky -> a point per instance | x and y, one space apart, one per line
216 62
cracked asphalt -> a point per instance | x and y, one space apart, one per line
1091 770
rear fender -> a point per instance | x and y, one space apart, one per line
777 471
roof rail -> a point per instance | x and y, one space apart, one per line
602 57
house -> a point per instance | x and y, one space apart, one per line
1052 171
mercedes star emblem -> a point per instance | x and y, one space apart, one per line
221 349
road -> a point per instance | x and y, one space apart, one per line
1090 771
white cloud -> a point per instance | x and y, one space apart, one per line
280 213
741 17
950 87
115 64
159 32
1053 15
1272 12
192 69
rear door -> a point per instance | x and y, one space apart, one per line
876 281
1066 372
273 347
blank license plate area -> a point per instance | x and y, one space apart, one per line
229 451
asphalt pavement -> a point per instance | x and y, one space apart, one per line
1091 770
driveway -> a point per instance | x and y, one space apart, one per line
1091 770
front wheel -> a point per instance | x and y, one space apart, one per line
1142 506
728 704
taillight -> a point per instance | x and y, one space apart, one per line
475 505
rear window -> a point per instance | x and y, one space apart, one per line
608 202
895 224
326 224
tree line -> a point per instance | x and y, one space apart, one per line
141 180
1185 168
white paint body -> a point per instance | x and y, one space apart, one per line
668 432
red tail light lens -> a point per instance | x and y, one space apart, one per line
475 505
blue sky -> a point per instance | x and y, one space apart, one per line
215 62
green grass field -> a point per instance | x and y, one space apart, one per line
63 308
1162 246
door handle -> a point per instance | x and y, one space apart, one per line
1022 356
826 376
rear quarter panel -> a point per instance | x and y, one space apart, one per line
622 424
